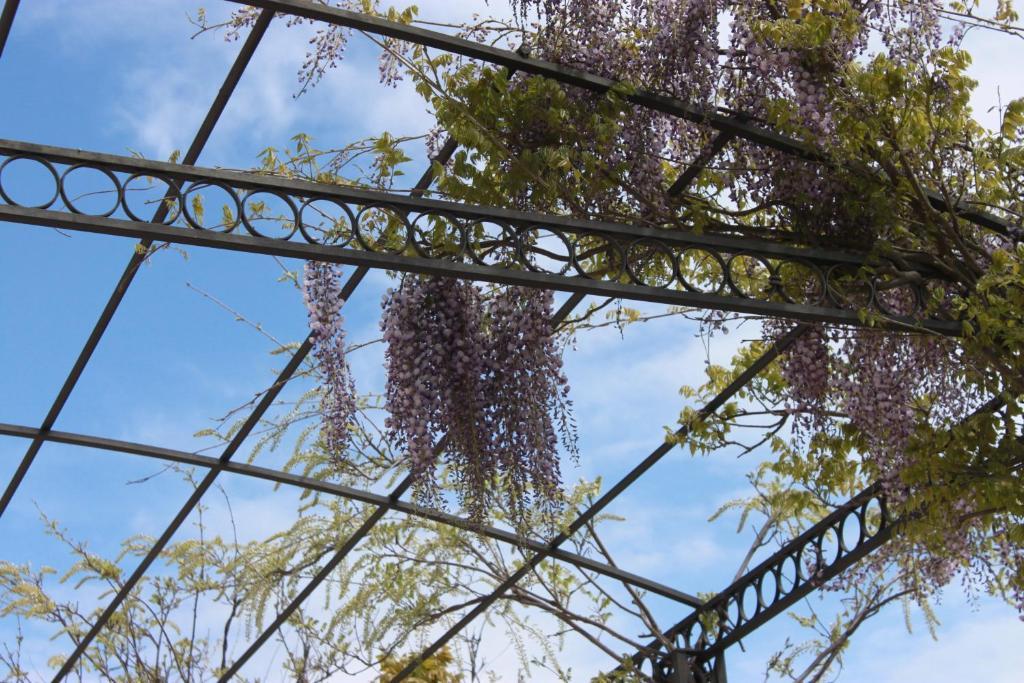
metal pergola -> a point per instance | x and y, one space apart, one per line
520 248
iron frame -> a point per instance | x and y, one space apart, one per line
483 243
698 658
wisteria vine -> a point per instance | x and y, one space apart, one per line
811 70
487 377
321 289
435 361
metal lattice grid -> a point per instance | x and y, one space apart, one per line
523 249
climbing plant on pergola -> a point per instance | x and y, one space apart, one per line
538 251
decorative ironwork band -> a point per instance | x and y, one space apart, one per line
803 565
732 123
103 193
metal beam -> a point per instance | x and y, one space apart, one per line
686 178
738 125
239 184
204 485
804 564
842 538
330 488
530 65
849 533
392 231
710 408
191 156
6 20
353 540
822 552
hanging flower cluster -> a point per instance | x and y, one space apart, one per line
489 377
887 386
529 397
435 360
484 375
321 289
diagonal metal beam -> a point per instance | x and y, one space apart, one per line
6 20
686 178
419 190
229 451
739 126
848 534
531 65
587 515
353 540
191 156
839 540
330 488
806 563
426 179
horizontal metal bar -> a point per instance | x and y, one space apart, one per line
711 267
303 189
487 243
442 267
330 488
737 125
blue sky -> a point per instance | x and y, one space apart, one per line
114 76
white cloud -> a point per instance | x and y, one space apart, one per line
996 67
975 647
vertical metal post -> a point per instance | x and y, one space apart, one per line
680 670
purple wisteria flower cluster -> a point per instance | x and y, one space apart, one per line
321 289
476 385
488 375
528 395
435 362
327 45
886 385
777 64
